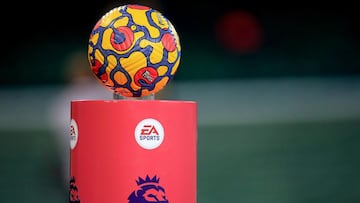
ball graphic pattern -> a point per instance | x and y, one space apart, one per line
134 50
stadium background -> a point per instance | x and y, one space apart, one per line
279 115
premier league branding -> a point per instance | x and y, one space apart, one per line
120 148
73 192
149 190
133 151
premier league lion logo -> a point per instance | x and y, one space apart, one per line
149 191
74 196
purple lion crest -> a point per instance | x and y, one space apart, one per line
74 196
149 191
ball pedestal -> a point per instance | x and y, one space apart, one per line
133 151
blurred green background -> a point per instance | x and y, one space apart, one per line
277 86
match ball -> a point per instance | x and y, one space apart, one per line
134 50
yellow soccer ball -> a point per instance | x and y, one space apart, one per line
134 51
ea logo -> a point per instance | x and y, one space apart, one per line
149 133
74 133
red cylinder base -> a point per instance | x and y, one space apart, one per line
133 151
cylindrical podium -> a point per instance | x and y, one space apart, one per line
133 151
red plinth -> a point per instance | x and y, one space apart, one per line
132 151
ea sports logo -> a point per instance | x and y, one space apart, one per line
149 133
74 133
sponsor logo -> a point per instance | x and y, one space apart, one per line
74 134
149 133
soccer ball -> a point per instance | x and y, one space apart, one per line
134 51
